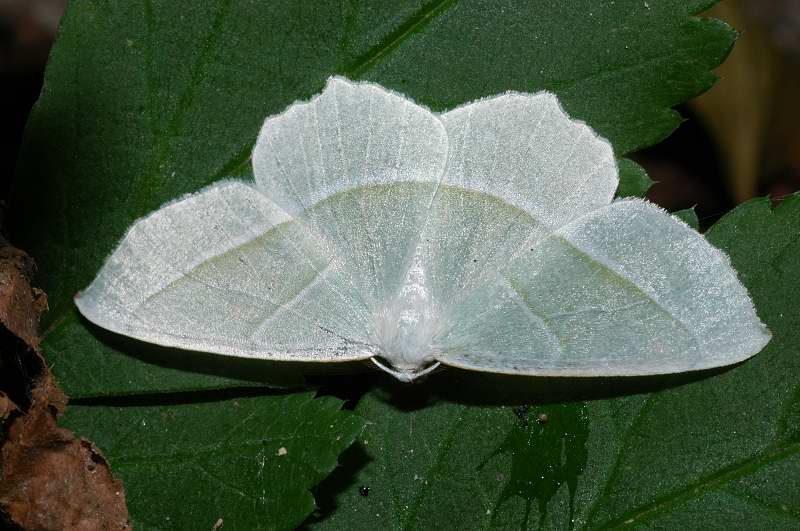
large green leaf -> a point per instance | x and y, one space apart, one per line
147 100
699 451
248 460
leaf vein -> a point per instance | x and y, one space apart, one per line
705 484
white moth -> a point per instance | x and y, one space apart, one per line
484 238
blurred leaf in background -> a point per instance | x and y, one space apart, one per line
741 138
738 112
27 30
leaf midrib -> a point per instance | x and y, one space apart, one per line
708 483
413 25
145 188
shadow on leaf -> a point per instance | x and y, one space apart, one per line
484 389
274 374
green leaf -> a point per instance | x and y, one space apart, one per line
688 216
74 354
146 100
633 180
719 449
248 460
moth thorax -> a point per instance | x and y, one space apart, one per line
407 326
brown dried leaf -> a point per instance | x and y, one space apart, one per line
20 306
48 478
7 406
51 480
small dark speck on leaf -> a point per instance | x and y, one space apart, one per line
520 411
364 490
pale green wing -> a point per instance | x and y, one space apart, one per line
624 290
518 168
226 271
364 236
352 135
297 266
525 150
358 165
